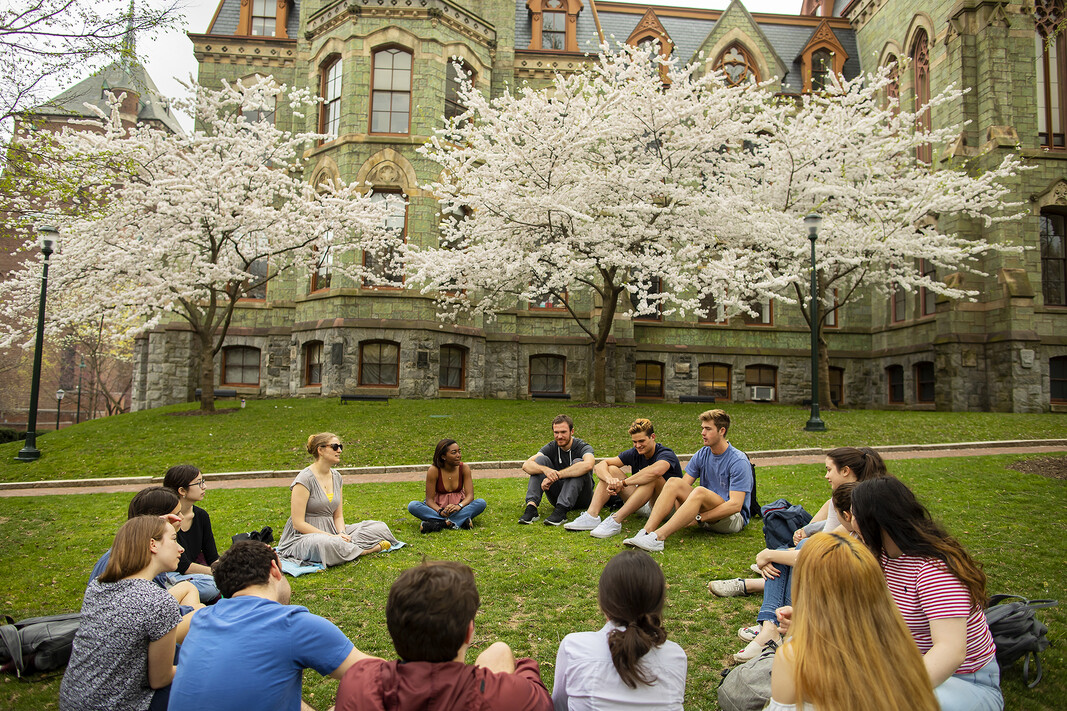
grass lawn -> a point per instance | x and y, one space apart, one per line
270 434
538 583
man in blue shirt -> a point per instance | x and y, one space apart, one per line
651 465
720 503
250 649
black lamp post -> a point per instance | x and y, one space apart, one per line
49 237
59 403
815 423
78 414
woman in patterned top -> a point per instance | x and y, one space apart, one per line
123 655
939 589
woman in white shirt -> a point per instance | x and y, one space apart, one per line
629 663
849 649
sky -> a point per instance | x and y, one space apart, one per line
170 55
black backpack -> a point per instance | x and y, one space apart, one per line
37 643
780 520
1017 632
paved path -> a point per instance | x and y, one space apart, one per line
501 470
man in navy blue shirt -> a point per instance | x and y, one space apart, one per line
651 465
560 470
720 503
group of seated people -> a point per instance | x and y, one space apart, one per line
887 607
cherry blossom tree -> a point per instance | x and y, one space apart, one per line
602 184
163 226
849 154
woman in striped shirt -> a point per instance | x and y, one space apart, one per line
939 589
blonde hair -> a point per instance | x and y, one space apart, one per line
642 425
718 417
317 440
850 649
131 552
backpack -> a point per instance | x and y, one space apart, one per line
37 643
264 535
780 520
753 506
747 687
1017 632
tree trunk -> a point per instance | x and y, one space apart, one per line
600 344
824 373
600 364
207 374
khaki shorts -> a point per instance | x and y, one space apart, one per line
730 524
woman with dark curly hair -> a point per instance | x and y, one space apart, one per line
449 501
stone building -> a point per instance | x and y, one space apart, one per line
384 69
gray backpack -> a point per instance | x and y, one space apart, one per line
1017 632
747 687
37 644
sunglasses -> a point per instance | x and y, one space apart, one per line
336 446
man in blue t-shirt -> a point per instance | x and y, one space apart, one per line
651 465
250 649
720 503
561 470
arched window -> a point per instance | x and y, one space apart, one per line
1050 51
391 91
330 89
388 267
379 363
920 65
548 374
648 379
737 66
313 363
1057 379
761 382
822 63
837 386
453 370
240 365
894 376
1053 258
924 381
714 381
892 90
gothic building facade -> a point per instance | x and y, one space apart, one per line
385 71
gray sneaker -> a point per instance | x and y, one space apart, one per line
728 588
645 541
645 510
607 529
585 522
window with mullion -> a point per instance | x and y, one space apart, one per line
240 366
895 377
313 363
453 360
1057 375
1053 259
924 381
391 92
330 122
920 57
379 363
714 381
547 374
554 30
927 297
822 63
1051 61
264 17
388 266
648 379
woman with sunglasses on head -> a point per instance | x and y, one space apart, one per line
194 533
123 653
449 501
939 589
848 649
316 529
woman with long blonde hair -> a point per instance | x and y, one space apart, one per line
849 648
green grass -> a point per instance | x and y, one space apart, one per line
269 434
538 583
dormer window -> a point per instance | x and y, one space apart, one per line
821 55
737 66
822 63
553 24
264 17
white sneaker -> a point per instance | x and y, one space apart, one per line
645 541
645 510
585 522
608 528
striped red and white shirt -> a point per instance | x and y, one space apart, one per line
924 589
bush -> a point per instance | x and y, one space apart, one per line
9 435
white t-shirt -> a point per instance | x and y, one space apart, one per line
586 679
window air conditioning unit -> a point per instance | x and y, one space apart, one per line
760 392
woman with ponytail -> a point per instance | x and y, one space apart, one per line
629 663
939 589
849 649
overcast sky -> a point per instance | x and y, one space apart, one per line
170 56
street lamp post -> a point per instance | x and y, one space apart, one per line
59 403
49 237
815 423
78 414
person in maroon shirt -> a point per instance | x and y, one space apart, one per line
430 616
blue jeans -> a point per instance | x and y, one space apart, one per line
422 511
777 592
204 584
978 691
